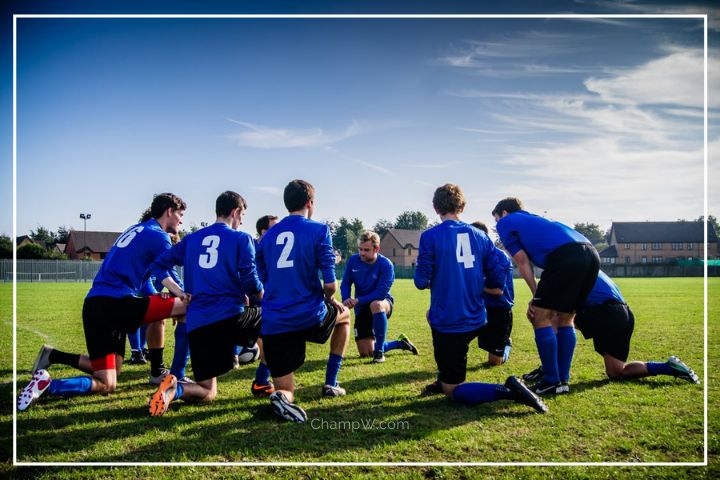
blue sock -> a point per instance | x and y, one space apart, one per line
547 346
143 339
262 374
179 391
237 350
566 341
134 339
380 330
70 387
394 345
659 368
182 350
333 367
474 393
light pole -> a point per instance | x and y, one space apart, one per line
85 217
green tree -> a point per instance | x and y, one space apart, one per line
43 235
62 235
345 234
712 222
6 247
591 231
31 251
411 220
382 226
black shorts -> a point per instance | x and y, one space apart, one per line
364 321
495 334
212 346
285 352
610 325
569 276
451 354
106 321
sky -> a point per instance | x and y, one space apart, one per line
585 120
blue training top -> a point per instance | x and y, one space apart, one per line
219 268
456 261
507 299
154 286
290 256
536 235
123 272
603 291
372 280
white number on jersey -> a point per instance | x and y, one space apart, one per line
210 258
128 236
463 250
287 239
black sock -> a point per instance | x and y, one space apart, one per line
156 361
71 359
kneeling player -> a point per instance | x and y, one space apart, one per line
607 319
457 261
219 266
373 276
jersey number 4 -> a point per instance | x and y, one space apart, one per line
210 257
463 251
287 239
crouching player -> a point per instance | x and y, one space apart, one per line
457 261
373 276
112 308
219 265
607 319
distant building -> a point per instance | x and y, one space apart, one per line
23 240
401 246
92 245
657 242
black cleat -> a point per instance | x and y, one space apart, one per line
433 388
543 388
525 396
534 376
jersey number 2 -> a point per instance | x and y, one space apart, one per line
463 251
210 257
287 239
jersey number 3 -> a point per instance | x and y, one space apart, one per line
210 257
463 251
287 239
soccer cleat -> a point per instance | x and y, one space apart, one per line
157 380
40 382
407 344
185 380
137 358
160 401
286 410
42 361
681 370
247 355
522 394
336 391
260 391
535 375
378 357
542 388
432 388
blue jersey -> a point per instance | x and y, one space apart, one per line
372 280
507 299
457 261
123 271
603 291
153 286
290 256
219 269
537 236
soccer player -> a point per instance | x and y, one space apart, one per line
373 275
607 319
219 269
570 267
457 262
112 308
297 307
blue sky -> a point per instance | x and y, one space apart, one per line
585 120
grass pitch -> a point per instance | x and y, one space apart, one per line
383 418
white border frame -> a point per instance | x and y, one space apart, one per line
704 463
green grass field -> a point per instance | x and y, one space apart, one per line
658 419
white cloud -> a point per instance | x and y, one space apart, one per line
377 168
270 190
257 136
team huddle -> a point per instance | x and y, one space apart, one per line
241 299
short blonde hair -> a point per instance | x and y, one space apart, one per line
369 236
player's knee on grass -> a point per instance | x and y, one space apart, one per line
365 347
448 389
494 360
614 368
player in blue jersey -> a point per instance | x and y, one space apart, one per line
219 270
373 275
570 267
607 319
457 262
297 306
112 308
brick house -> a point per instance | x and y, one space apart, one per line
401 246
92 245
657 242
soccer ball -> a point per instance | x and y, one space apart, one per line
248 354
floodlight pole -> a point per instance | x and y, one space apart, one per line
85 217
